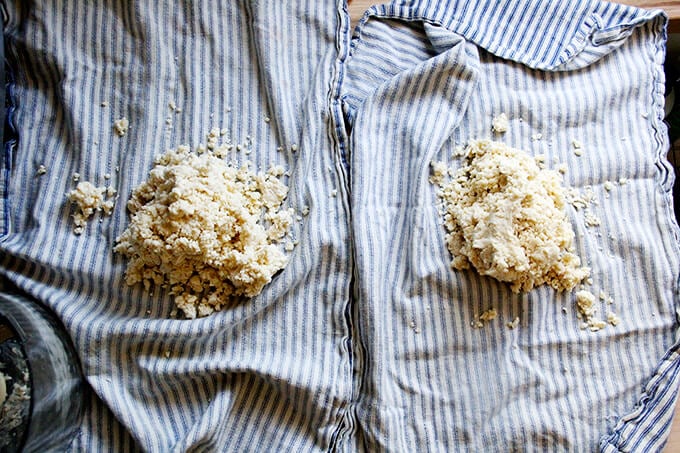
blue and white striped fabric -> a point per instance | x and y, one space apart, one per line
270 373
364 342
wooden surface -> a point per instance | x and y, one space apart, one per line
672 8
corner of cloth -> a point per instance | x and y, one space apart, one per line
647 426
603 30
549 35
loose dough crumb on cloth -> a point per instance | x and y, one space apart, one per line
88 199
506 217
500 123
121 126
206 229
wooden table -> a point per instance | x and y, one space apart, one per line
672 8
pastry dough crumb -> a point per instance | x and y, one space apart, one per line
595 325
459 151
581 199
121 126
207 230
88 199
585 304
592 220
506 217
489 315
540 161
439 171
613 319
500 123
513 324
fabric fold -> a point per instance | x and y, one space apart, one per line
546 35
